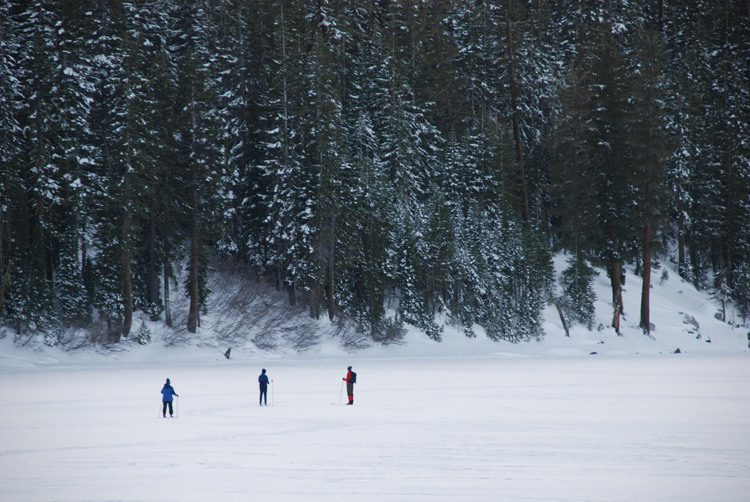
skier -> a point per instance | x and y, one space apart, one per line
351 379
167 393
263 382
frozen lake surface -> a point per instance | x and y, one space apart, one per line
614 428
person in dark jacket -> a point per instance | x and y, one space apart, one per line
167 392
263 382
350 379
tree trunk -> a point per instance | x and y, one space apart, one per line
3 182
153 277
614 271
517 126
4 272
331 302
332 269
562 319
660 21
647 217
681 263
127 286
292 294
645 293
616 319
167 306
167 272
192 323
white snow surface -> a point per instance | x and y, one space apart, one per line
463 419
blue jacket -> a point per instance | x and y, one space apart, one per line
263 379
168 392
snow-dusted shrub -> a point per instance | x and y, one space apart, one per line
389 331
54 336
578 293
144 334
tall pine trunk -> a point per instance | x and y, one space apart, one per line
127 280
167 306
4 271
645 294
167 268
614 271
517 126
648 210
192 323
331 302
681 258
153 276
292 294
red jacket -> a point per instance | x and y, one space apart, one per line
349 376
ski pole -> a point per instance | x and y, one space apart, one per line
273 401
342 391
158 414
177 407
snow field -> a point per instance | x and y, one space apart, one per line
647 428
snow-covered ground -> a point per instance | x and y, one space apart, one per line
464 419
648 428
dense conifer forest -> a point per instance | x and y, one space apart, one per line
379 162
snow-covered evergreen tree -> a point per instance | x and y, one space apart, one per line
11 104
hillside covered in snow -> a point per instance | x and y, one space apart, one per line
684 318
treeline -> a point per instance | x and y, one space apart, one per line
427 156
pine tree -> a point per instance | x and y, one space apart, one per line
39 173
28 301
11 103
578 292
240 69
408 145
285 177
369 274
70 289
334 174
650 148
75 156
572 196
202 150
127 178
439 250
414 303
727 105
681 27
606 67
158 227
163 242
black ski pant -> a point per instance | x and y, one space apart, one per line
164 411
263 394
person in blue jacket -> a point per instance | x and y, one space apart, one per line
167 392
263 382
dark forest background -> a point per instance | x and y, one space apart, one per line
428 156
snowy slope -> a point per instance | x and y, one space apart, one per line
673 303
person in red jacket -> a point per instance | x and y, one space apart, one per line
351 379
